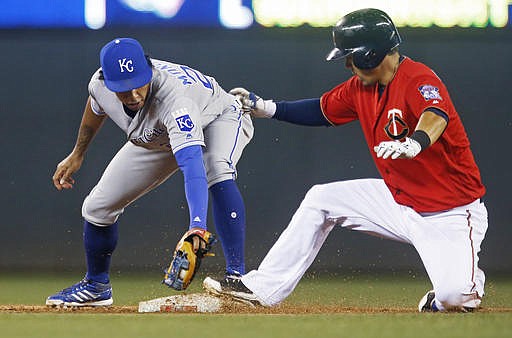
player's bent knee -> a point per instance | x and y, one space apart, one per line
218 169
220 178
97 214
316 196
314 193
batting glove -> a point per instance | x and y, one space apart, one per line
396 149
253 104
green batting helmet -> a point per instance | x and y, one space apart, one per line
366 34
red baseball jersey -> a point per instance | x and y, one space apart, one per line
441 177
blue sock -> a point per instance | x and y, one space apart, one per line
434 306
99 243
229 217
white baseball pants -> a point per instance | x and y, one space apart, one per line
448 242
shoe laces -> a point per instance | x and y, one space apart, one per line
234 282
78 286
84 284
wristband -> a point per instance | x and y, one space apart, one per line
422 138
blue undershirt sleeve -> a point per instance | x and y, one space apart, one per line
190 161
305 112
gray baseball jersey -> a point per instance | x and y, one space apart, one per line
183 108
181 102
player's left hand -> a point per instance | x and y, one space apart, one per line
253 104
396 149
193 246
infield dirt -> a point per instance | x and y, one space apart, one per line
235 308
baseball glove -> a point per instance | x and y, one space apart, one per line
193 246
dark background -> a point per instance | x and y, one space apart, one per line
44 88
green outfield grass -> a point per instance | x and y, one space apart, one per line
359 291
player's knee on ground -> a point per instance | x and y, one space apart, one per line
454 298
218 169
99 213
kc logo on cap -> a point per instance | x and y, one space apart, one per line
124 65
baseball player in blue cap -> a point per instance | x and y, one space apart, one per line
174 117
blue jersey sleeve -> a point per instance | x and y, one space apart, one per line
305 112
190 161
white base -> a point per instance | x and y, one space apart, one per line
195 302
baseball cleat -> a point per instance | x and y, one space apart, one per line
427 303
83 293
232 287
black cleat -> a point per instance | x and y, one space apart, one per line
232 287
427 303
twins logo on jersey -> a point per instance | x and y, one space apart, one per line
430 92
396 128
183 119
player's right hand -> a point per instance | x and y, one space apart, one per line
253 104
62 178
396 149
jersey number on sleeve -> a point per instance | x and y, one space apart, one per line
195 76
186 74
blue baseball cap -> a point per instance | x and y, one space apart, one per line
124 65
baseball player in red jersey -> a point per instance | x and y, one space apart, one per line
430 194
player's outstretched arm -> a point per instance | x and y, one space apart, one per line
252 103
305 112
196 242
91 123
190 161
